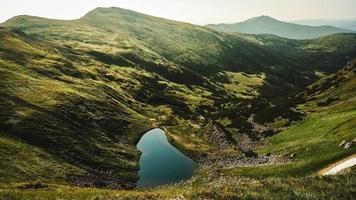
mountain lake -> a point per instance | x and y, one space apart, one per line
160 162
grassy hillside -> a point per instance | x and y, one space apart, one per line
268 25
87 113
63 106
22 162
120 32
307 187
314 141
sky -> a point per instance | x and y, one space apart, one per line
193 11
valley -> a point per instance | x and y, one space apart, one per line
259 114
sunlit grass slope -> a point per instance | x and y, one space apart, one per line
330 105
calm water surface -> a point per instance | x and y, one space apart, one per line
160 162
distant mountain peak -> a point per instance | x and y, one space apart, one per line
267 25
107 9
265 17
262 18
106 14
99 10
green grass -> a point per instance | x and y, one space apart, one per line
23 162
306 187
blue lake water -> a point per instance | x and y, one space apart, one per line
161 163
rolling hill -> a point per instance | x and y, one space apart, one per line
269 25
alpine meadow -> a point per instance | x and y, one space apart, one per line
123 105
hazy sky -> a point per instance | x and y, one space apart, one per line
193 11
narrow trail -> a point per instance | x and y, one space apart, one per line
337 167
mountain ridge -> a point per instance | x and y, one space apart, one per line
268 25
341 23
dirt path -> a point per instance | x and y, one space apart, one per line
339 166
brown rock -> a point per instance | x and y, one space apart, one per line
179 197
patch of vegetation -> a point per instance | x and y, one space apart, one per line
244 85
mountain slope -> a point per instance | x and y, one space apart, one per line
268 25
60 106
133 33
125 37
338 88
330 104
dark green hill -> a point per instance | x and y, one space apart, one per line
269 25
